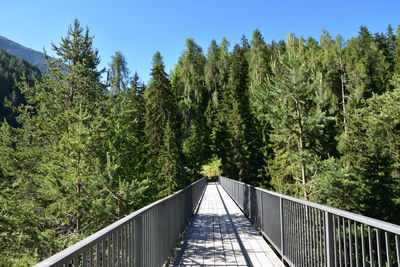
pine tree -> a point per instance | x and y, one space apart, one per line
119 73
372 187
259 64
58 144
396 57
190 86
244 159
288 103
216 79
161 114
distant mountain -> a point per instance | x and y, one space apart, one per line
12 70
32 56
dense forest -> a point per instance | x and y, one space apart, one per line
315 119
12 71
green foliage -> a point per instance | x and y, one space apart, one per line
189 87
12 71
119 73
162 131
318 120
212 168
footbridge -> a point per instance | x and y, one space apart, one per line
230 223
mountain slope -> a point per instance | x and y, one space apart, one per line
32 56
12 70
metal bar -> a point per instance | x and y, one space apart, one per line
302 235
335 244
344 242
98 254
84 263
298 234
340 242
91 256
289 232
397 239
378 247
350 244
103 252
371 255
123 246
387 245
330 240
363 253
282 228
313 237
308 236
321 239
356 244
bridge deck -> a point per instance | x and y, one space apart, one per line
221 235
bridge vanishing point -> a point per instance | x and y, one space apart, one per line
230 223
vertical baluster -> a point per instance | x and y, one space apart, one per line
98 254
314 237
298 233
292 237
91 251
378 246
132 238
122 240
335 246
128 244
321 238
330 251
302 235
363 252
397 239
76 261
344 242
115 248
350 244
387 245
356 244
371 255
290 234
84 263
307 236
103 252
340 242
109 251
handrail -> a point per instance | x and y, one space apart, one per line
124 241
309 234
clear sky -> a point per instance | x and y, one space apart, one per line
140 28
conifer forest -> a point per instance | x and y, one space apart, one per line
80 147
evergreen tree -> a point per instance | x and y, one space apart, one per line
216 78
119 73
57 147
161 121
190 87
372 187
289 104
244 159
396 57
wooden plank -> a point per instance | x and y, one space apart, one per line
212 237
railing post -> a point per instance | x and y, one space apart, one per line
282 229
137 241
329 251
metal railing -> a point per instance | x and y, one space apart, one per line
308 234
144 238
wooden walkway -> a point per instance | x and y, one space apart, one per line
221 235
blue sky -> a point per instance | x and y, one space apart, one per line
140 28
